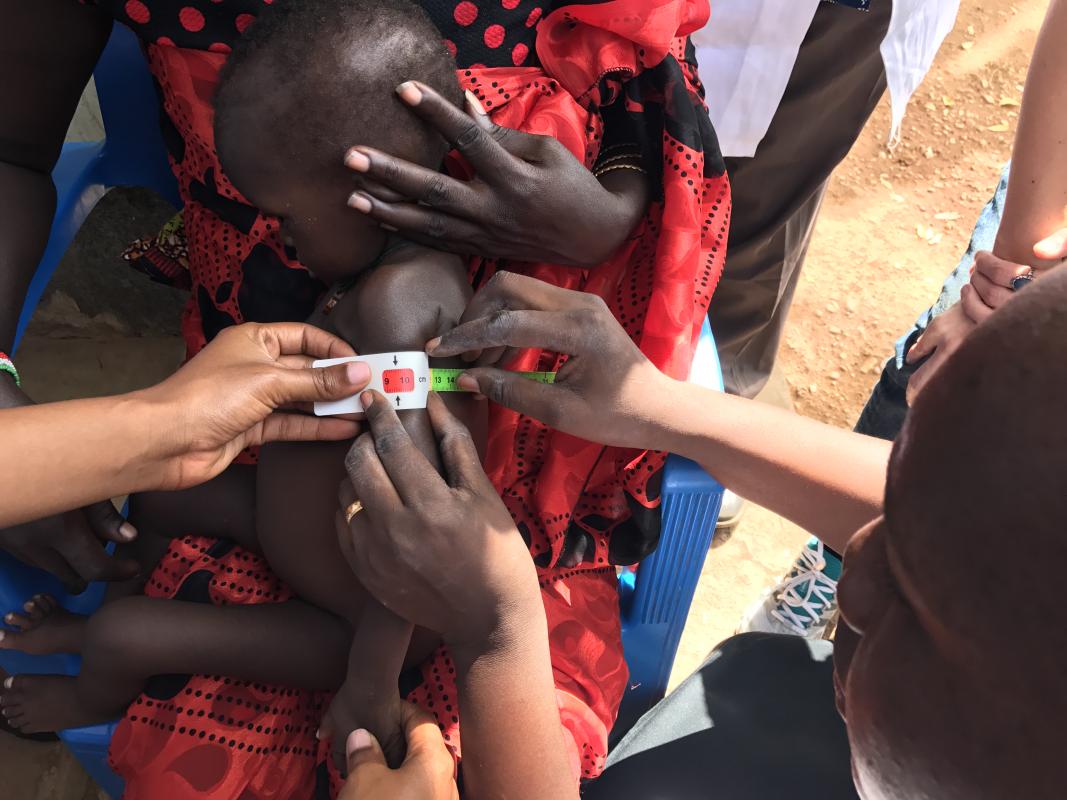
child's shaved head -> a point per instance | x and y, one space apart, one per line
307 81
320 76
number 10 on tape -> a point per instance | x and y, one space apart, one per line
405 378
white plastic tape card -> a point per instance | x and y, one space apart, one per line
404 378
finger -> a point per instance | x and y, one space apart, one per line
408 470
362 749
542 401
370 482
431 226
53 563
924 346
108 524
511 290
560 331
299 338
426 744
459 455
414 182
976 310
990 293
1052 247
281 427
295 361
997 270
316 385
477 139
88 558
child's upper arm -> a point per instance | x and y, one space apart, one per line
413 296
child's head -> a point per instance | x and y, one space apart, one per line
308 80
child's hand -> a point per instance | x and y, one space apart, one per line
426 774
442 553
944 336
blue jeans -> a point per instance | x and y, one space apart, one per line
884 413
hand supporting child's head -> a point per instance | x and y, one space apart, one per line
303 83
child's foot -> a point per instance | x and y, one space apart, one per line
38 703
43 627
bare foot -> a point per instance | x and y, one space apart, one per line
38 703
380 714
43 627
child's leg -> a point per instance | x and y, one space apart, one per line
132 639
224 507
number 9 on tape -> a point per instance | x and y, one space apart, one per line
404 378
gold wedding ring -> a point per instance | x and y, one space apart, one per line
352 510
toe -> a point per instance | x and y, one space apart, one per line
17 620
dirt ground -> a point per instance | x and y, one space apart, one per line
892 226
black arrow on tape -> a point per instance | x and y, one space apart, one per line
398 402
395 362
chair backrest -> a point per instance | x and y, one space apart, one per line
134 151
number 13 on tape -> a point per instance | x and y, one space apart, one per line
404 378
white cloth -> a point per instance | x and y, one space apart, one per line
747 52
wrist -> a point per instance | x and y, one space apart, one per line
517 624
160 438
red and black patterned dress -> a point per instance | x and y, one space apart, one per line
591 74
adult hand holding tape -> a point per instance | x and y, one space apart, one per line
601 393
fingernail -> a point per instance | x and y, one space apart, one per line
2 635
467 383
359 201
359 739
9 682
409 93
367 399
433 344
474 102
10 618
357 372
357 161
127 531
318 734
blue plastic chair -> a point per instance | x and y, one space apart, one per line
655 598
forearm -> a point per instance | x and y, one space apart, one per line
513 741
27 204
827 480
106 446
1036 204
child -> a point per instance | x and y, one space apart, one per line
394 295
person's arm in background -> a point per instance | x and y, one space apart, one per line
1033 227
179 433
822 478
48 49
1036 204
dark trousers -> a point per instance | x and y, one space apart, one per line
756 722
835 85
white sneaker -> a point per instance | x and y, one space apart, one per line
733 506
803 602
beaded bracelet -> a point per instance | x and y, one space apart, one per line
8 366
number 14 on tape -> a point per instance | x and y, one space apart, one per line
405 378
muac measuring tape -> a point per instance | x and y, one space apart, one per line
405 378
